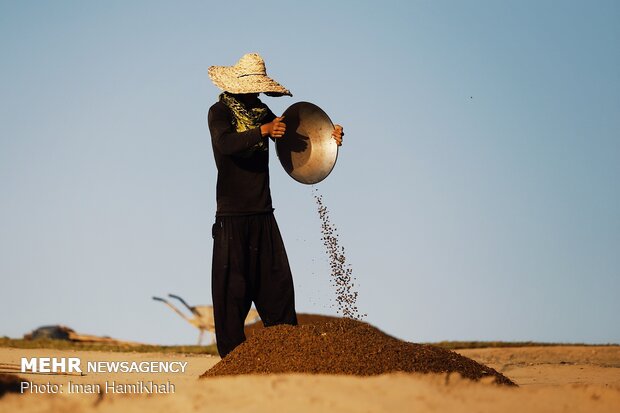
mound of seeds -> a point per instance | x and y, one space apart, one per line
302 319
344 346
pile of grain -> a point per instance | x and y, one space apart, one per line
302 319
329 345
343 346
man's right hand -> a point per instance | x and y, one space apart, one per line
275 128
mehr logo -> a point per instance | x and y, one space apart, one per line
51 365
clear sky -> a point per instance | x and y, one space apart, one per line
477 192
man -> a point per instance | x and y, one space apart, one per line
249 259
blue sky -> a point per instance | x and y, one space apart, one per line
476 193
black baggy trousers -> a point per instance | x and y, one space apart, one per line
249 265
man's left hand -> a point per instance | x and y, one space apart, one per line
337 134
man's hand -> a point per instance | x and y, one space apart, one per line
338 134
275 128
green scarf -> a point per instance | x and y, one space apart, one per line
245 118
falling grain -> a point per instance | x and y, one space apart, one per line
341 273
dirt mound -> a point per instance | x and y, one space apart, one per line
343 346
9 383
302 319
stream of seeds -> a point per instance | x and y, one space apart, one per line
341 273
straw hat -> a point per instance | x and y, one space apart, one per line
247 76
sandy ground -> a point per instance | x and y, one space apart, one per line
551 379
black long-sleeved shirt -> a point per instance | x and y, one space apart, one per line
242 174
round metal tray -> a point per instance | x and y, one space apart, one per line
307 151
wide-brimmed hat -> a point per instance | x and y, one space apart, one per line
247 76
